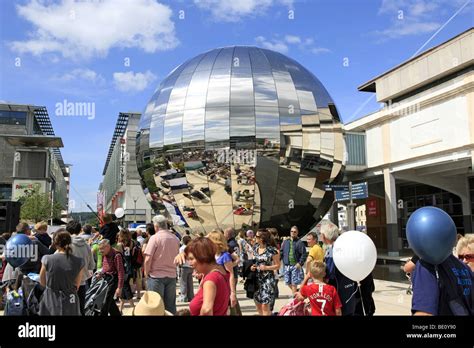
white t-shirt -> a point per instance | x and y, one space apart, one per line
181 250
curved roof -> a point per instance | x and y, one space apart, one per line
238 76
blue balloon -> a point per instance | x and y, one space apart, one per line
19 250
431 233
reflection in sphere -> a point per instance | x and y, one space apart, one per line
240 137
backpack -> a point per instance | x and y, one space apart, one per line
137 256
456 290
15 305
295 308
126 261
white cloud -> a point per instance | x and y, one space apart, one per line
275 45
406 29
81 74
414 7
91 28
318 50
133 82
414 17
283 45
235 10
292 39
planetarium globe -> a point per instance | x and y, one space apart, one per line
240 137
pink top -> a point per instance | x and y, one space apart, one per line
221 302
162 247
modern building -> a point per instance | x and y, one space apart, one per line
30 155
120 187
418 149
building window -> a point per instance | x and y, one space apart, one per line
13 117
32 165
5 192
416 196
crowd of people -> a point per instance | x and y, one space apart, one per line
147 266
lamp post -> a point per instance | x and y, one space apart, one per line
351 210
135 199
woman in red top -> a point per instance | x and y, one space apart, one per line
214 291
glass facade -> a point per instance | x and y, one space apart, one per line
240 137
416 196
59 184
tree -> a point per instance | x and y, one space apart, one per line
37 207
93 221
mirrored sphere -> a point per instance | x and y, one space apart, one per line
240 137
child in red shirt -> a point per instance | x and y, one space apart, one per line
323 297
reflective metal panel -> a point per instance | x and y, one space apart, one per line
207 62
173 128
218 92
265 90
242 121
241 88
224 59
157 131
217 125
196 93
287 98
178 94
193 125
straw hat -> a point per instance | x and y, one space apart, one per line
151 304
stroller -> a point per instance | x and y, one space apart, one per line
96 295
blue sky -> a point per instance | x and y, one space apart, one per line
114 53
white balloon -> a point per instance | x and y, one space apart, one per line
119 213
355 255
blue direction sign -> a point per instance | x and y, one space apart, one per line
359 191
336 187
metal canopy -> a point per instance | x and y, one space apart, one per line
120 127
34 140
42 117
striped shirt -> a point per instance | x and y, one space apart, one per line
113 264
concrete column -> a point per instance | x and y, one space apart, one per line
351 220
148 215
466 209
391 213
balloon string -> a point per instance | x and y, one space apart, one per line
361 299
350 297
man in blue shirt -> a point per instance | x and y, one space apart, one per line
443 290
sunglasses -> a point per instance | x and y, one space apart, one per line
258 236
467 257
